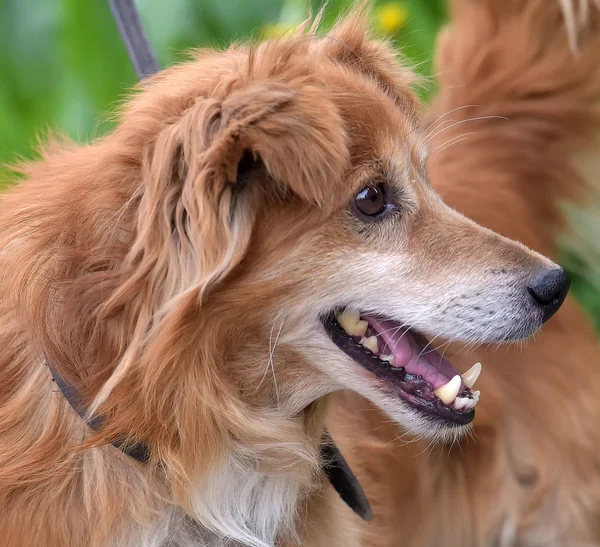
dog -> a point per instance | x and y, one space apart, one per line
529 474
182 299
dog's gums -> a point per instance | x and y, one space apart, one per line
406 364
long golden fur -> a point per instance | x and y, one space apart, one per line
176 272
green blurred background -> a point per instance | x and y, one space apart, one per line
63 67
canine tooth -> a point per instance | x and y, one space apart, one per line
388 358
476 395
461 402
351 322
470 377
448 392
371 344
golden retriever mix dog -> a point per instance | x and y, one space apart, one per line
257 234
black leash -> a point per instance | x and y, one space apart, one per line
335 466
132 33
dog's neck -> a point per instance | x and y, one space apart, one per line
248 498
246 505
245 499
236 506
250 495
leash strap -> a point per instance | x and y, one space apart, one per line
343 479
132 33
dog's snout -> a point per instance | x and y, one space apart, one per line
549 290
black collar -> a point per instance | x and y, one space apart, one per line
334 465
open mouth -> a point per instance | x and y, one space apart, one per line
406 364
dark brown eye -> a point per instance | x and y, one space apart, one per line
370 201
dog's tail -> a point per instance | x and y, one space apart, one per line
516 124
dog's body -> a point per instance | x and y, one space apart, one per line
180 272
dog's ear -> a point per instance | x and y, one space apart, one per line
293 128
351 44
196 211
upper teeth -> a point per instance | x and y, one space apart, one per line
470 377
351 322
371 344
448 392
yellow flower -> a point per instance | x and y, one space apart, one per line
275 30
391 17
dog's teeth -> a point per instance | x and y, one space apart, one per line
461 402
448 392
476 395
351 322
388 358
470 377
471 403
371 344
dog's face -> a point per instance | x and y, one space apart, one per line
308 228
391 265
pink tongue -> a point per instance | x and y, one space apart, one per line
412 351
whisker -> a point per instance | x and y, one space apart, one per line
478 118
429 343
270 363
452 141
432 126
273 364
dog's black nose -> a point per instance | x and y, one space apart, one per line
549 289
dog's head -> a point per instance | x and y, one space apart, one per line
286 244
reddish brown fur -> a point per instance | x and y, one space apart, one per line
149 271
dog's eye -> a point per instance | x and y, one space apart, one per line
370 201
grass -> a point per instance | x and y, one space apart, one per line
63 66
